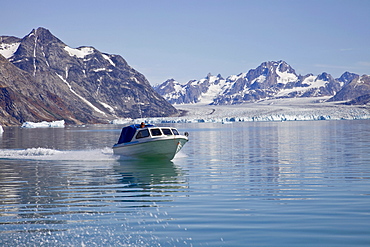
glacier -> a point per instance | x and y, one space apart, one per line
277 110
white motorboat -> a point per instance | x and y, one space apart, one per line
149 141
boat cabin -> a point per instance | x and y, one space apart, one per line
136 132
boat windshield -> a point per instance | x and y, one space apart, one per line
175 132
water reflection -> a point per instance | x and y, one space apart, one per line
275 160
152 173
40 195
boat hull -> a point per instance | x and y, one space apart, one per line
157 148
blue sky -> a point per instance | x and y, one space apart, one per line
188 39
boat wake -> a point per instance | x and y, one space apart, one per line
105 154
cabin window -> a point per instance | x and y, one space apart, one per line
167 132
156 132
175 132
142 134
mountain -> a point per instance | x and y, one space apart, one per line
273 79
79 85
19 101
357 92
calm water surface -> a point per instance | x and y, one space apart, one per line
241 184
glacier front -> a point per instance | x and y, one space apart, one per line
288 109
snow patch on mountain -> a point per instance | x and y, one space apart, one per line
285 77
102 69
8 50
79 96
217 86
311 82
79 52
108 59
110 108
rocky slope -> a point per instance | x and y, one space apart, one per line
357 92
270 80
19 97
81 85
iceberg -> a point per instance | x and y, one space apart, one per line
44 124
122 121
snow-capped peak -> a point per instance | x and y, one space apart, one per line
269 80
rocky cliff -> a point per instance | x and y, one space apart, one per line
79 85
20 100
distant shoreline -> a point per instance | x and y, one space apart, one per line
277 109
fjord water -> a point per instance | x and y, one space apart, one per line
240 184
